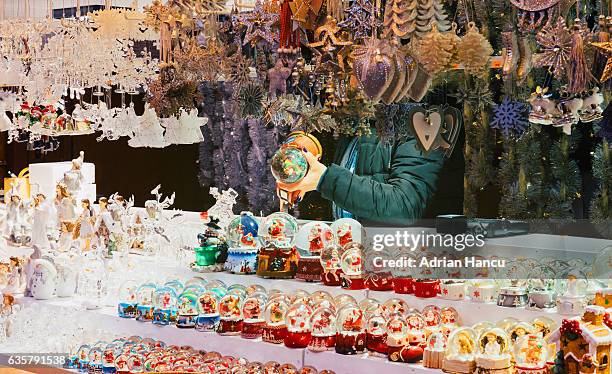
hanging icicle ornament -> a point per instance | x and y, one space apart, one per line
474 51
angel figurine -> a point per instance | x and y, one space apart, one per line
40 219
65 206
104 222
73 178
84 229
14 219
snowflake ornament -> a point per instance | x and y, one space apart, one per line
259 24
509 117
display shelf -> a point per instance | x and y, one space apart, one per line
362 363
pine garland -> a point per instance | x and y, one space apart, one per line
600 205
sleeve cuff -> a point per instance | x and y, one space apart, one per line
327 182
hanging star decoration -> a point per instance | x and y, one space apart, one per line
259 25
606 49
556 46
509 117
332 43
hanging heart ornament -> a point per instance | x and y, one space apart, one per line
373 67
436 127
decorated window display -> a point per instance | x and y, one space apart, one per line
243 244
351 325
230 315
310 241
278 256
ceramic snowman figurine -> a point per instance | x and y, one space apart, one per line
43 281
40 218
73 178
29 269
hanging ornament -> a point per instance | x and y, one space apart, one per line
533 13
251 100
430 12
361 18
331 42
435 51
400 18
510 52
579 75
259 25
289 38
373 67
602 36
452 39
606 49
555 48
510 117
474 51
525 58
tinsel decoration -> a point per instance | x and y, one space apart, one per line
251 100
510 117
435 51
579 75
555 48
474 51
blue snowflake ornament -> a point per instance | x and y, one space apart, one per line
510 117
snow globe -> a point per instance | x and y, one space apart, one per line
573 300
449 319
95 359
519 329
433 354
493 351
289 164
347 230
187 309
481 326
208 313
351 335
310 241
416 329
278 256
165 301
211 252
275 329
176 285
530 355
253 316
323 324
230 315
376 334
351 263
543 326
431 316
299 332
126 308
394 305
330 262
144 295
460 351
399 348
243 244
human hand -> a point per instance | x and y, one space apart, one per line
310 181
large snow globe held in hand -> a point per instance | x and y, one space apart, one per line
312 238
243 244
289 164
278 256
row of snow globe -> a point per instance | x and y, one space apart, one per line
135 354
276 246
315 321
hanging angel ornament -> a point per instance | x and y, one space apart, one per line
148 131
555 48
185 129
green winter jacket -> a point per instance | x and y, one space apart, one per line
391 184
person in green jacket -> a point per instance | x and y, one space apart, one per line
369 181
